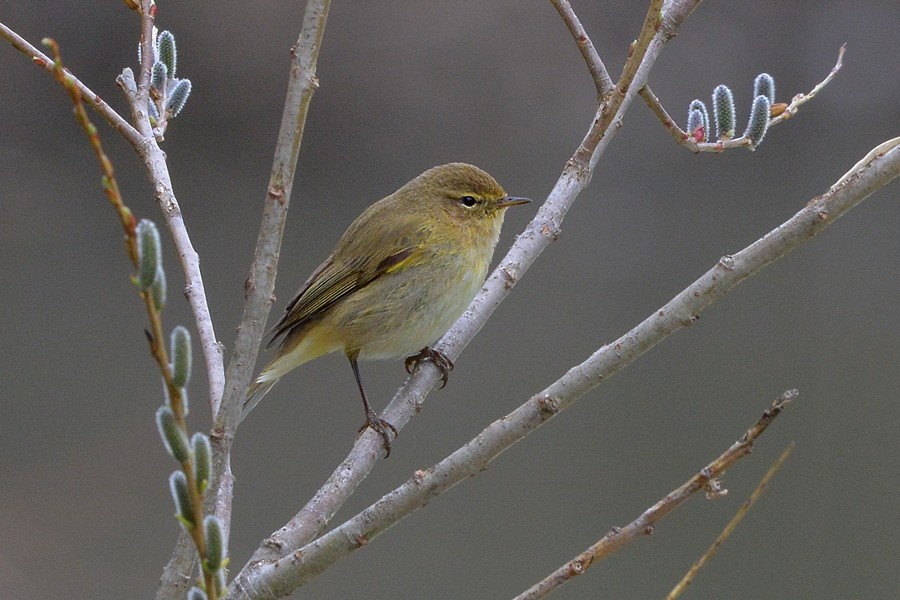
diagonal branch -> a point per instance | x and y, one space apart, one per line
260 285
732 524
96 102
644 524
592 59
268 579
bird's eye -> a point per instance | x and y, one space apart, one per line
468 201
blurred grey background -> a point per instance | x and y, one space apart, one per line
84 504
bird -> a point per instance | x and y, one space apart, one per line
401 274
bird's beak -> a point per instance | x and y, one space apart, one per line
509 201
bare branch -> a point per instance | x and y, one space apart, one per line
801 99
155 161
592 59
732 524
644 525
267 579
260 284
140 100
40 59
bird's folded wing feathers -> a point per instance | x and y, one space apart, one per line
331 282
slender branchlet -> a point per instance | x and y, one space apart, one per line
144 250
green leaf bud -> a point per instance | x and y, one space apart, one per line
202 460
184 511
178 96
149 252
165 49
764 85
159 75
181 356
759 121
158 289
196 593
173 437
216 544
723 107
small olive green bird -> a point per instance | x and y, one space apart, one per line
400 276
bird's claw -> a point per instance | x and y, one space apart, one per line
440 360
381 427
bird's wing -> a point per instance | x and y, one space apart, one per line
333 280
353 264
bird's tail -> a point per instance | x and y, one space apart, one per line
256 392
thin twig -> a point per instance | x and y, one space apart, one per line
141 99
644 524
40 59
594 63
687 140
610 113
275 579
801 99
260 284
732 524
649 30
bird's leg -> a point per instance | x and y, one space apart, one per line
377 424
440 360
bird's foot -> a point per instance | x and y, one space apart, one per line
381 427
440 360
